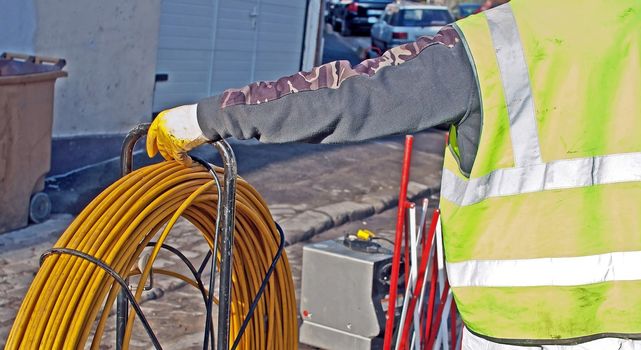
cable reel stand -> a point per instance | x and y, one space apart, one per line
225 230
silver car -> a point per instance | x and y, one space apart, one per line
405 22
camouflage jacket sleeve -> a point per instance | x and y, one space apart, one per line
409 88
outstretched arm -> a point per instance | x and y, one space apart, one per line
409 88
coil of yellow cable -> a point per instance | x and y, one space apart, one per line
62 308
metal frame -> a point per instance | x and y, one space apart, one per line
226 212
224 225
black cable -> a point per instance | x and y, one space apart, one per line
186 261
254 303
384 239
203 264
114 274
212 271
191 268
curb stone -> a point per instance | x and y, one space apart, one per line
309 223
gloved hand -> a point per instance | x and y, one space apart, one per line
174 132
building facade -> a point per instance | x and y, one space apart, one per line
129 59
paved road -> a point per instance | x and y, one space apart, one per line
337 47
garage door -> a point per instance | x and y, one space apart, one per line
207 46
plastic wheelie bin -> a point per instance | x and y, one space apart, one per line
26 118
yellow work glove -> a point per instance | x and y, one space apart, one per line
174 132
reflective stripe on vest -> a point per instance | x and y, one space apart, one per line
620 266
560 174
516 84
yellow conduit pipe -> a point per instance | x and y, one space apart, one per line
70 298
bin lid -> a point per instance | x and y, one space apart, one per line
15 71
11 67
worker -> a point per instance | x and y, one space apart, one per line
541 188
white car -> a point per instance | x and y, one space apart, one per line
405 22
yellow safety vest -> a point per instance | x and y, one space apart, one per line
543 237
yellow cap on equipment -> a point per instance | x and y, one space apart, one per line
364 234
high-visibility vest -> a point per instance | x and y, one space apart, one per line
543 237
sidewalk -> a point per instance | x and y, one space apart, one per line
337 47
310 189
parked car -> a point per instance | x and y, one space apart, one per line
405 22
329 9
465 9
349 16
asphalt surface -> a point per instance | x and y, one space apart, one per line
337 47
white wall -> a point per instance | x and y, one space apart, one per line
312 53
110 48
17 25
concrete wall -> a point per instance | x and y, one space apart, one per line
17 25
110 48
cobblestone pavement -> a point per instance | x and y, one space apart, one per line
19 253
310 195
